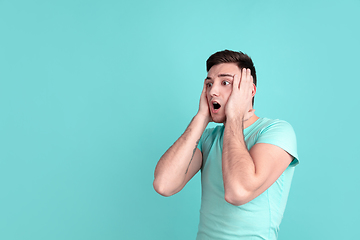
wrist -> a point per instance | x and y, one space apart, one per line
237 120
235 116
204 118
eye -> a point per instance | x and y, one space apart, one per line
225 83
209 84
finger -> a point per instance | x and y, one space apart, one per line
204 87
249 79
248 73
246 80
243 77
243 74
236 82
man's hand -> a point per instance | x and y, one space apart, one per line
204 110
239 103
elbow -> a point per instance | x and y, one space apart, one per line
161 189
237 197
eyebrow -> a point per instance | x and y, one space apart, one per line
221 75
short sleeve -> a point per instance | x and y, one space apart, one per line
199 146
281 134
202 139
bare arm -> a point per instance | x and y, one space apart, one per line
247 174
183 159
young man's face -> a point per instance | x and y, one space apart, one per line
219 87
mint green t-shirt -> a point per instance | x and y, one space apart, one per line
259 218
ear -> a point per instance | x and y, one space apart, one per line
253 90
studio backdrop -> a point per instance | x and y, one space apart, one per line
92 93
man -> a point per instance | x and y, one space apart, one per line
246 164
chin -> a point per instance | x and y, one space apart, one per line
218 119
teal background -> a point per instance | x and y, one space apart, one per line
92 93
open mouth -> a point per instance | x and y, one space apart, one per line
216 105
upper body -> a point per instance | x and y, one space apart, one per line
227 98
260 218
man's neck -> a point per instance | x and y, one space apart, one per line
250 121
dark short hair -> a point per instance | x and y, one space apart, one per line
241 59
227 56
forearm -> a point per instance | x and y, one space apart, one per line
237 165
171 170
